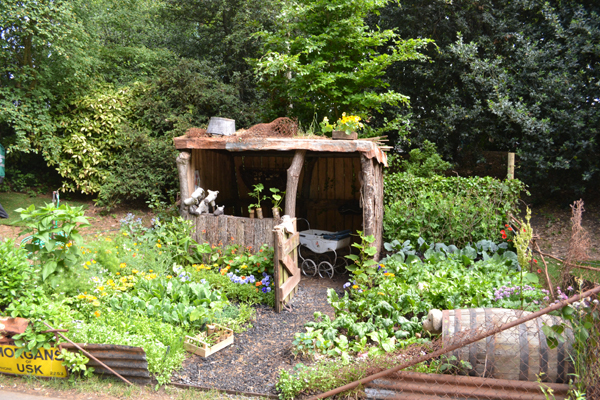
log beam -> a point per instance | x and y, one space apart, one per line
183 164
293 176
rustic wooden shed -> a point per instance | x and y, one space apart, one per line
334 184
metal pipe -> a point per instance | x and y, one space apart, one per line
453 347
86 353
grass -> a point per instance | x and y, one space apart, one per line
11 201
114 389
554 268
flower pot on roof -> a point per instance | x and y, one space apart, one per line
345 127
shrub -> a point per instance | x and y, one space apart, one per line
145 167
452 210
15 271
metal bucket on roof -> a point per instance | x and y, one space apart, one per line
221 126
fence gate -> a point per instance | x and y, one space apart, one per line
287 272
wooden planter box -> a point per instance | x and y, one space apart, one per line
341 135
197 346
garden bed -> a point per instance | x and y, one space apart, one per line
252 363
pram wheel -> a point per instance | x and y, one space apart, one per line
309 267
326 270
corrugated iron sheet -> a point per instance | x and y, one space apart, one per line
128 361
411 385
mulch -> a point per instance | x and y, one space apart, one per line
253 361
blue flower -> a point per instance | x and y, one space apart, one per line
264 290
268 289
265 274
202 280
346 285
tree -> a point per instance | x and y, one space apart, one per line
42 64
324 59
507 75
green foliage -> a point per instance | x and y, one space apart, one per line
43 63
363 264
256 193
276 197
522 240
75 362
33 341
87 139
143 168
15 272
55 238
322 58
451 210
161 342
506 75
424 162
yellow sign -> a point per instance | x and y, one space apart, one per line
44 363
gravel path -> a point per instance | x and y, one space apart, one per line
252 363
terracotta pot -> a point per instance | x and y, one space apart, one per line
251 212
259 213
341 135
275 212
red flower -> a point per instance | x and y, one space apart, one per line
539 271
509 228
506 225
524 230
503 232
535 261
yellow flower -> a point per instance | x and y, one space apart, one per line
69 244
150 271
104 294
88 263
85 267
118 273
169 276
100 288
125 233
244 266
134 271
123 265
111 282
383 294
355 287
81 296
123 279
135 244
158 245
97 313
93 261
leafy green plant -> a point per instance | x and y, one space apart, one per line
76 362
522 241
32 341
451 210
256 193
276 197
347 123
15 272
55 238
363 263
424 162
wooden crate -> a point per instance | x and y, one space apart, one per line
197 346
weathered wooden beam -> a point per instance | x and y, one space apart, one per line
368 195
278 144
183 164
293 175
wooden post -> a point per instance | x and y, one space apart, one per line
378 203
183 164
511 166
368 195
291 189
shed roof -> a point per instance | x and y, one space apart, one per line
239 144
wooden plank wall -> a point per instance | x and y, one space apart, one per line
226 229
335 181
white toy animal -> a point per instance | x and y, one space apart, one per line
203 207
194 210
199 194
212 196
219 210
190 201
